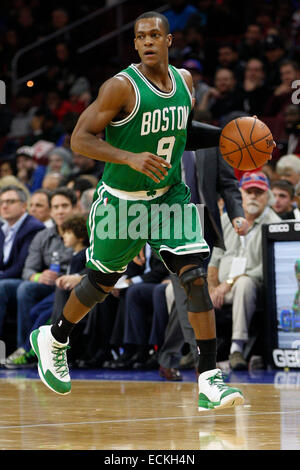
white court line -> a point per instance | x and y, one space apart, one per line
174 418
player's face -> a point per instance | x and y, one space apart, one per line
151 41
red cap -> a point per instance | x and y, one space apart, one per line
254 180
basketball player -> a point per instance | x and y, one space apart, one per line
144 110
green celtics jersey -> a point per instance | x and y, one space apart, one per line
157 124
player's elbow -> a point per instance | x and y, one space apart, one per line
75 142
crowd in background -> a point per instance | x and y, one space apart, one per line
244 61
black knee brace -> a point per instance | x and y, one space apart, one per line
198 299
89 293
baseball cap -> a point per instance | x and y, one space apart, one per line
25 151
255 179
193 64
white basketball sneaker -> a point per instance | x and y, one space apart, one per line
215 394
52 360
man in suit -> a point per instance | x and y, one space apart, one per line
16 232
207 175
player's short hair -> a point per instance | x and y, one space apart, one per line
285 186
154 14
77 225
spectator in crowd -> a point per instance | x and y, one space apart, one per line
16 233
39 207
284 194
52 181
59 18
292 129
44 127
8 167
26 26
179 13
240 285
11 45
274 53
288 168
86 201
86 166
38 280
68 123
63 69
282 95
60 160
79 185
254 90
138 312
228 59
224 97
20 125
194 46
29 172
143 270
196 70
251 44
75 236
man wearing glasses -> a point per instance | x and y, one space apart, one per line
16 233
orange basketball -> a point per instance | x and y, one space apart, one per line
246 143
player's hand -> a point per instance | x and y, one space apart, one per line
150 165
274 143
240 225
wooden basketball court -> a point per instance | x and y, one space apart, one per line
130 415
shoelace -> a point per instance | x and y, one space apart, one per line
60 360
217 380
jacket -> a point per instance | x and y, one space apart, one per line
40 252
19 251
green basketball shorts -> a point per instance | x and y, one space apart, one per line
119 228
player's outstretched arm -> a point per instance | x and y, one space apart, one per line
202 136
115 98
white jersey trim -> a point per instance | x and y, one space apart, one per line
186 87
136 106
152 88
